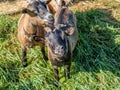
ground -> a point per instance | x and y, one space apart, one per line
96 59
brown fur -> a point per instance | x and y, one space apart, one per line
66 17
54 5
31 26
27 27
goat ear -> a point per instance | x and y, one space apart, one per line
32 14
70 31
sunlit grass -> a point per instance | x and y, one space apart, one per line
95 63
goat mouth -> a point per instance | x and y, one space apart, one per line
61 56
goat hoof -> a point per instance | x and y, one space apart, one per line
25 64
46 59
56 84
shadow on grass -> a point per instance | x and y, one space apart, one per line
11 78
97 49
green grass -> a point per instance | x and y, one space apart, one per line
95 64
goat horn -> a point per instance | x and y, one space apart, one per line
62 25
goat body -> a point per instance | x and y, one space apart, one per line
31 27
62 40
27 27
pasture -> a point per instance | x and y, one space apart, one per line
96 59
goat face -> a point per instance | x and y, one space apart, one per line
56 41
38 8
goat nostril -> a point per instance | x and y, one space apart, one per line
62 48
50 16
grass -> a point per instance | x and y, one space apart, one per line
95 64
12 6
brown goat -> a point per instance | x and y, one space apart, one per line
62 40
54 5
31 27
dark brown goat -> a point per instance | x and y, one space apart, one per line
62 40
31 27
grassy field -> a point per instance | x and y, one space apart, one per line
96 59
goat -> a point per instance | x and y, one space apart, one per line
31 27
61 41
54 5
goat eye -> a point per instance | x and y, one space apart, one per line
51 45
36 3
43 13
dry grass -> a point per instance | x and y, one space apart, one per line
10 7
110 5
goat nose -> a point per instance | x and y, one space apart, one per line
59 50
62 48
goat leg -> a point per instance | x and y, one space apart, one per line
24 58
67 71
56 72
43 53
